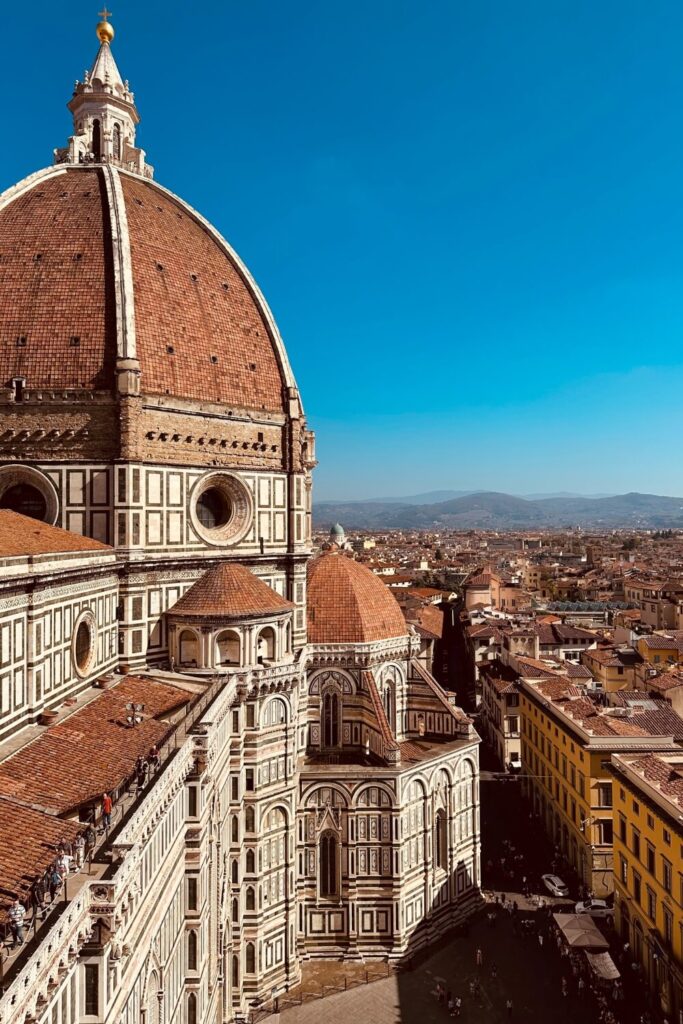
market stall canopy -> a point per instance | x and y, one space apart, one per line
580 931
603 965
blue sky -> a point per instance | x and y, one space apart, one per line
465 214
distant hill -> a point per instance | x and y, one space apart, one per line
492 510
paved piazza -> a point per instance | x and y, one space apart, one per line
527 974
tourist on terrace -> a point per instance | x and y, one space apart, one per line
106 811
153 758
79 850
16 915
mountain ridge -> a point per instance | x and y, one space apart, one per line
496 510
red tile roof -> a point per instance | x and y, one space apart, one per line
229 590
347 603
20 535
91 751
28 841
57 283
212 315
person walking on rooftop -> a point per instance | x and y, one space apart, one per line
17 912
106 811
79 850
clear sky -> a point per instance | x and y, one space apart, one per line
465 214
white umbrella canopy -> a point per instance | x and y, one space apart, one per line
580 931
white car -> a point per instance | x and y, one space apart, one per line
596 908
555 885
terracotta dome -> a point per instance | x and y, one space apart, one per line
347 603
229 591
201 329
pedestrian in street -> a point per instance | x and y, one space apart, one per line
581 985
540 939
494 972
479 958
565 987
449 1001
508 1007
439 992
16 915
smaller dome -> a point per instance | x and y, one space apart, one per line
337 531
229 591
347 603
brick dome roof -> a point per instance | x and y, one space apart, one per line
92 255
229 591
347 603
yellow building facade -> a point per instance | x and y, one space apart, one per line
648 868
567 746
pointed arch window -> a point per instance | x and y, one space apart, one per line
440 840
331 715
235 971
235 912
250 819
97 139
251 898
192 1008
235 873
116 139
251 862
329 865
192 951
250 964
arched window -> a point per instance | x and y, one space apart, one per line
235 971
441 840
188 648
251 862
235 872
192 951
265 645
249 819
235 911
331 701
250 958
235 829
97 139
192 1008
116 138
389 706
251 898
329 869
228 648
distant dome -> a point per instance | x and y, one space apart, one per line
347 603
229 591
337 531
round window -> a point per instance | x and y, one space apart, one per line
25 498
29 492
221 509
214 508
83 643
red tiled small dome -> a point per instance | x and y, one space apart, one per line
347 603
229 591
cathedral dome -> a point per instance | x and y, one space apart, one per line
98 263
347 603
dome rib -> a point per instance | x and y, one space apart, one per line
347 603
229 591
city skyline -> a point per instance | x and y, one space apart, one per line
468 223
